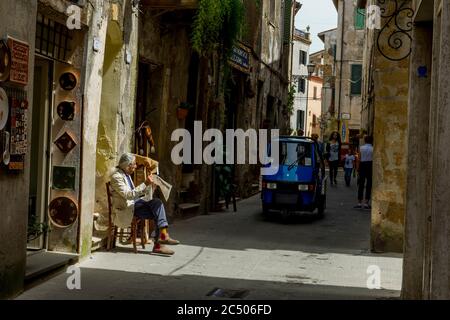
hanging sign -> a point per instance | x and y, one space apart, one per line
240 58
20 51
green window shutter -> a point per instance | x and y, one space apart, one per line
360 19
356 79
287 21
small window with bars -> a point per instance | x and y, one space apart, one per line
52 38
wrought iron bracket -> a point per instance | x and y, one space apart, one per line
397 33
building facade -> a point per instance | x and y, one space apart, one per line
348 68
328 118
314 106
300 61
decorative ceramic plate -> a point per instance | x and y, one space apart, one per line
63 212
65 143
68 81
64 178
5 61
66 110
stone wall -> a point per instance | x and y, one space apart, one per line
385 116
14 187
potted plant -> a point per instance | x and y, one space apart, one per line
36 228
183 110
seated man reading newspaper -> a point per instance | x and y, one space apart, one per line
128 200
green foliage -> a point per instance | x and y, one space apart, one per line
36 228
218 23
224 174
290 101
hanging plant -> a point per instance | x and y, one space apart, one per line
290 101
218 23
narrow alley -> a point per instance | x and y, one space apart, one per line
304 258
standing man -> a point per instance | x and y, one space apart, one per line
364 168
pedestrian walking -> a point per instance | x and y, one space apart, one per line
332 155
364 168
315 137
349 166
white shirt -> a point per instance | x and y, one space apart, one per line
366 153
349 161
334 151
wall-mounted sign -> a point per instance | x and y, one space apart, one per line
65 143
63 212
19 126
346 116
344 132
18 73
240 58
64 178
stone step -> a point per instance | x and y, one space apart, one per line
97 243
188 206
44 263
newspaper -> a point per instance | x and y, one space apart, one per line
164 186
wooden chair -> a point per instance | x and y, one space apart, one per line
114 231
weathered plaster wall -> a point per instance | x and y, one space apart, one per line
329 82
15 21
271 69
116 104
92 84
417 216
391 86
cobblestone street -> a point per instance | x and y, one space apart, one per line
267 259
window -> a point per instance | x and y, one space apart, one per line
303 57
360 19
300 120
315 93
355 88
52 38
301 85
314 122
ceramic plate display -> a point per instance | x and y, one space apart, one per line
64 178
66 110
5 61
4 109
68 81
63 212
65 143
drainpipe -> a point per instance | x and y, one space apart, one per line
341 62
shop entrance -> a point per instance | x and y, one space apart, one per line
40 153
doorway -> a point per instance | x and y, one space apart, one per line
40 152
